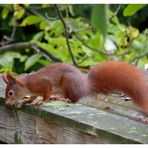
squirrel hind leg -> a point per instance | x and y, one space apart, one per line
73 87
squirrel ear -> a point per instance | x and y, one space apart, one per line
10 79
4 76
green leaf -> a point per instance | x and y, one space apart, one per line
137 45
97 41
70 7
43 25
30 20
44 62
38 36
99 18
50 49
32 60
7 59
115 20
45 46
5 12
18 11
87 51
132 9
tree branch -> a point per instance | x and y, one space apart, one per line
19 46
9 39
138 57
66 33
84 29
51 18
15 46
92 48
46 54
33 11
101 52
115 13
124 53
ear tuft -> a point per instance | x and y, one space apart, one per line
4 77
10 79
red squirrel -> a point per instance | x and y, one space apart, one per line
103 78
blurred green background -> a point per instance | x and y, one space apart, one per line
35 35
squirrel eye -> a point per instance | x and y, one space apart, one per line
11 93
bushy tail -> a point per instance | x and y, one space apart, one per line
118 76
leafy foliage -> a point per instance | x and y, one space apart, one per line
95 34
99 18
32 60
132 9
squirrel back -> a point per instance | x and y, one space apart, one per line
118 76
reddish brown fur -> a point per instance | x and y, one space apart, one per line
65 76
69 79
103 78
118 76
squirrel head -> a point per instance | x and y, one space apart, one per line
14 89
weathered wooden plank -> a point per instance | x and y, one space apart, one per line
117 106
58 122
22 127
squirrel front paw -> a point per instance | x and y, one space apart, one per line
59 98
37 102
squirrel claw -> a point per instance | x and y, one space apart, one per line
54 99
37 102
